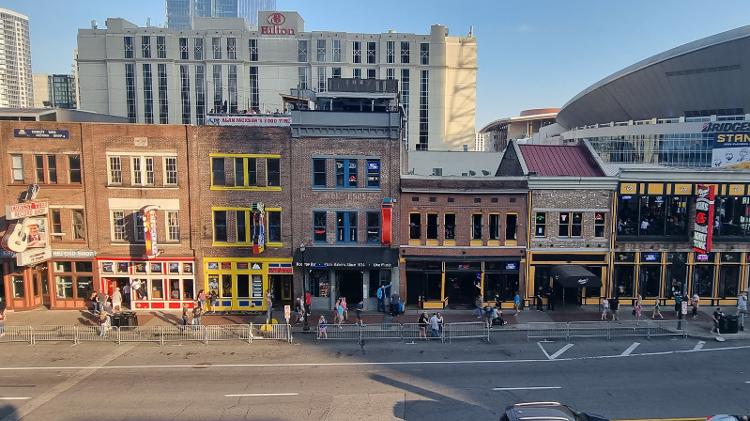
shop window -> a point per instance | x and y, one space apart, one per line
74 168
450 226
650 281
476 226
174 289
703 280
17 286
319 172
676 273
511 221
624 280
415 226
157 289
226 286
274 226
220 226
432 226
652 215
540 221
576 224
599 220
592 292
500 286
16 162
729 280
273 172
243 285
218 178
64 287
494 226
320 286
188 289
373 227
346 227
346 173
542 278
84 285
319 226
373 173
732 217
84 267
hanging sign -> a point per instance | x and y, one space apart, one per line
148 213
704 218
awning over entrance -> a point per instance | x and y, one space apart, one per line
575 276
347 257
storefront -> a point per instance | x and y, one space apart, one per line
455 282
541 271
354 273
24 286
155 284
717 277
241 284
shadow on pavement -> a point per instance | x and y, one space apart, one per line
8 412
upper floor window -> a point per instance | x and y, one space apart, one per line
346 173
356 52
321 50
373 173
78 224
302 51
45 169
56 222
220 226
216 47
74 168
415 226
371 73
390 51
494 226
118 225
142 170
320 226
253 46
599 224
128 47
170 170
139 234
183 49
450 226
357 73
336 72
432 226
16 168
232 48
146 46
198 48
273 172
346 227
336 50
648 215
218 177
424 53
371 52
274 225
732 216
540 221
405 52
115 170
238 171
173 226
476 226
511 227
161 47
570 224
319 172
373 227
245 172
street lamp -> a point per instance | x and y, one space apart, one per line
306 326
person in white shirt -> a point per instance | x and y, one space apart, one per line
435 325
742 309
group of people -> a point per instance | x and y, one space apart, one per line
435 324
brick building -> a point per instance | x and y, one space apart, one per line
570 220
242 214
462 237
345 177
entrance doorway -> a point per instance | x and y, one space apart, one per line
112 283
350 286
42 284
567 296
283 290
462 289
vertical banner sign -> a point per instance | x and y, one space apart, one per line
386 218
704 218
259 227
148 213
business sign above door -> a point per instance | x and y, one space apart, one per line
41 134
704 218
26 209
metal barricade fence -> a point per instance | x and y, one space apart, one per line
465 330
590 329
382 331
139 334
96 334
17 334
229 333
548 330
276 331
189 333
346 332
605 329
53 334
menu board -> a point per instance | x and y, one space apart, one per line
257 286
323 289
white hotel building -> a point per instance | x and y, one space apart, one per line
160 75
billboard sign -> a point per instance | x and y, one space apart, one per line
249 120
26 209
704 218
730 144
41 134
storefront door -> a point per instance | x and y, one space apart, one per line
43 284
461 288
349 285
283 289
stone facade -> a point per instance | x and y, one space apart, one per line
588 202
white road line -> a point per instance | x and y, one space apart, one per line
560 351
543 350
500 389
630 349
748 382
699 345
14 398
257 395
362 364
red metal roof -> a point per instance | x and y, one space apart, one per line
560 161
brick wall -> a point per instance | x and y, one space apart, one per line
586 201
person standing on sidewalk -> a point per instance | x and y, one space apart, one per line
605 309
340 313
614 305
202 299
696 303
2 320
656 312
435 325
359 309
517 304
717 317
423 321
197 314
117 300
538 298
441 322
637 309
269 303
742 309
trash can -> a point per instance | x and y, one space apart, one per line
732 325
117 320
129 318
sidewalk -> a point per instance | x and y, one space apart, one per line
699 328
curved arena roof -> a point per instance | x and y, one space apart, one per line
707 74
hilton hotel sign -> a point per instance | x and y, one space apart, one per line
280 23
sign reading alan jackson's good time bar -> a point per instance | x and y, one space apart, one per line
704 218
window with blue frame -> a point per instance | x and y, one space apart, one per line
346 227
319 226
373 173
373 227
319 172
346 173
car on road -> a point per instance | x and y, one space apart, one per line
725 417
546 411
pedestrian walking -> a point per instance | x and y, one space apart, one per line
637 309
441 322
2 320
117 300
269 303
550 302
605 309
479 309
340 313
435 325
656 312
345 307
517 303
695 302
381 294
94 302
614 305
197 314
359 309
322 333
742 309
423 321
213 301
717 317
202 299
538 299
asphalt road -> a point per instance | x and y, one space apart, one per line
341 381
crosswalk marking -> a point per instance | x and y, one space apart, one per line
631 348
699 345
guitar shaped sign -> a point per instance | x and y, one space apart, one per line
31 233
15 238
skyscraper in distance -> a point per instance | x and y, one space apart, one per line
249 9
16 83
180 13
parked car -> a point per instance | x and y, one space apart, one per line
546 411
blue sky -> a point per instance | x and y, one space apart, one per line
531 53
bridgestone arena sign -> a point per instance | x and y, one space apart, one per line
730 142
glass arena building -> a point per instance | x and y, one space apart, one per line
687 107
